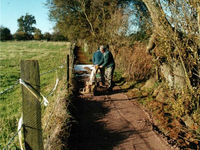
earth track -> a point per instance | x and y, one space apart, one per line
111 121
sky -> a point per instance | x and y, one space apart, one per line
11 10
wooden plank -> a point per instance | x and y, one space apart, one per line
31 105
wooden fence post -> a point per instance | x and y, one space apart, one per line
67 71
71 65
31 105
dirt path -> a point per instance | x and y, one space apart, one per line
80 56
113 122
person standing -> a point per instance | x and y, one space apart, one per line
97 59
109 64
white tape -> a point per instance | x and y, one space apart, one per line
20 131
57 80
45 101
55 86
28 87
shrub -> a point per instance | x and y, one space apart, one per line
20 35
47 36
38 34
5 34
136 63
58 37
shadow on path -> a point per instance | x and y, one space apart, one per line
90 133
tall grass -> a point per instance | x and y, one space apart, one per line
49 54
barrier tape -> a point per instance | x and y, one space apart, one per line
37 94
20 123
55 86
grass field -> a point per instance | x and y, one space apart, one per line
49 54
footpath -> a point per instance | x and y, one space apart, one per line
111 121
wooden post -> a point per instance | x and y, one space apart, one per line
71 65
198 17
31 105
67 71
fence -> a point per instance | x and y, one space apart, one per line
30 122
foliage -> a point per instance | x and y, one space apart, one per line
5 34
25 23
58 37
176 38
19 36
47 36
86 19
37 34
175 28
134 61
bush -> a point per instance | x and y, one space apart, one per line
5 34
58 37
20 35
136 63
38 35
47 36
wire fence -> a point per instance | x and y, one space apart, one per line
22 124
9 88
17 81
42 98
11 140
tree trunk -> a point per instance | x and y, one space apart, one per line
161 24
163 28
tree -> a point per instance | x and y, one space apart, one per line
86 19
58 37
37 34
26 23
177 33
5 34
20 35
47 36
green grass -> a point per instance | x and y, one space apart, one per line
49 54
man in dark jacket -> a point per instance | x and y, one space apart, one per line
109 64
97 59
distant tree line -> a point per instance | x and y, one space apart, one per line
27 31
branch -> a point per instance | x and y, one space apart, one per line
86 16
